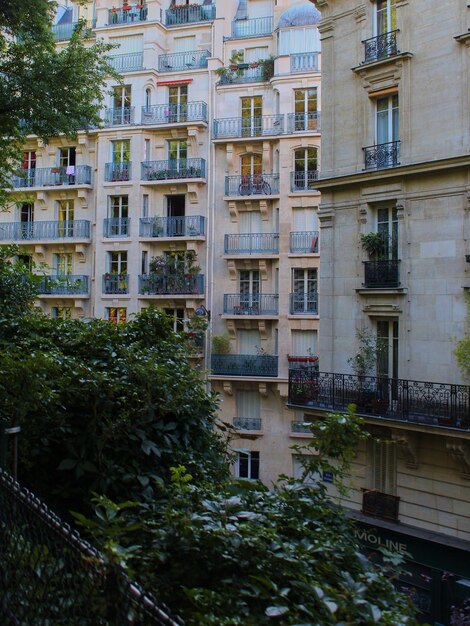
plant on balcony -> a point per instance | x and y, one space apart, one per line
233 70
375 244
221 344
370 349
267 66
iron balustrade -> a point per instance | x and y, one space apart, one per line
254 27
303 303
305 242
178 61
381 47
244 365
63 285
171 284
417 402
382 274
257 184
300 428
180 226
257 126
304 62
381 505
127 62
303 181
115 283
27 231
178 16
381 155
174 113
303 362
116 227
119 117
303 122
252 243
247 423
173 169
254 74
251 304
52 176
121 171
126 16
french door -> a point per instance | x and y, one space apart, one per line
252 112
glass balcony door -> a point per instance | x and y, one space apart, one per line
122 100
121 151
304 288
63 264
65 214
252 111
385 16
387 227
387 119
250 289
178 103
26 220
305 107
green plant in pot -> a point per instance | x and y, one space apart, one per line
221 344
376 245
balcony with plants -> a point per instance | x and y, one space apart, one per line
71 175
240 304
180 61
382 271
304 242
128 14
67 285
252 244
252 185
223 363
118 172
114 283
173 274
179 15
185 226
53 230
238 72
173 169
174 113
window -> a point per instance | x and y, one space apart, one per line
247 465
304 291
118 217
116 315
148 99
117 262
384 466
256 54
304 343
252 111
145 205
387 339
63 264
298 40
249 341
61 312
26 212
387 227
67 157
121 151
144 262
385 16
387 119
65 214
184 44
177 149
305 169
305 107
29 160
251 165
26 260
178 103
251 223
248 404
177 318
250 289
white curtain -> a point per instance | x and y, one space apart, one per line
295 40
248 403
304 342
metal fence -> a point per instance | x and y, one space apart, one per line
50 576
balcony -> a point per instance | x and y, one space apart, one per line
115 283
382 274
179 61
303 181
259 126
246 304
255 27
118 117
182 226
304 62
259 184
381 155
381 47
252 243
173 169
127 62
303 122
303 362
116 227
304 242
416 402
52 177
41 231
254 74
247 423
175 284
380 505
304 303
300 428
175 113
127 16
244 365
70 285
118 172
178 16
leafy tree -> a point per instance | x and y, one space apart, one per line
462 350
44 90
18 287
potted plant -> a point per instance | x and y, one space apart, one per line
267 68
375 244
221 344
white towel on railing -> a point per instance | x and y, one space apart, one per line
70 171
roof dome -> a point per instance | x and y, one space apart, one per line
301 15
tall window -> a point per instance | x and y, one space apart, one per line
247 465
27 212
248 409
384 466
65 214
305 168
178 103
177 318
148 99
118 216
249 341
121 151
387 338
252 164
387 119
305 106
304 291
250 289
122 104
177 149
116 315
387 227
63 264
67 157
117 262
252 111
29 160
61 312
385 16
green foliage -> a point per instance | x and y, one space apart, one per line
221 344
375 244
267 68
18 287
371 348
462 349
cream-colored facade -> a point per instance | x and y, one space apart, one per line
395 112
194 157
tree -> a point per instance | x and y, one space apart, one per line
462 349
18 287
44 90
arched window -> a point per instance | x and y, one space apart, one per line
305 169
148 99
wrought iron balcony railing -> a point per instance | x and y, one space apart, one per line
304 242
178 61
173 169
381 47
117 227
115 172
304 303
252 243
184 226
247 423
381 155
69 285
304 62
178 16
381 505
417 402
244 365
303 181
303 122
171 284
254 74
382 274
258 184
254 27
118 117
115 283
39 231
174 113
258 126
52 176
127 16
300 428
251 304
127 62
